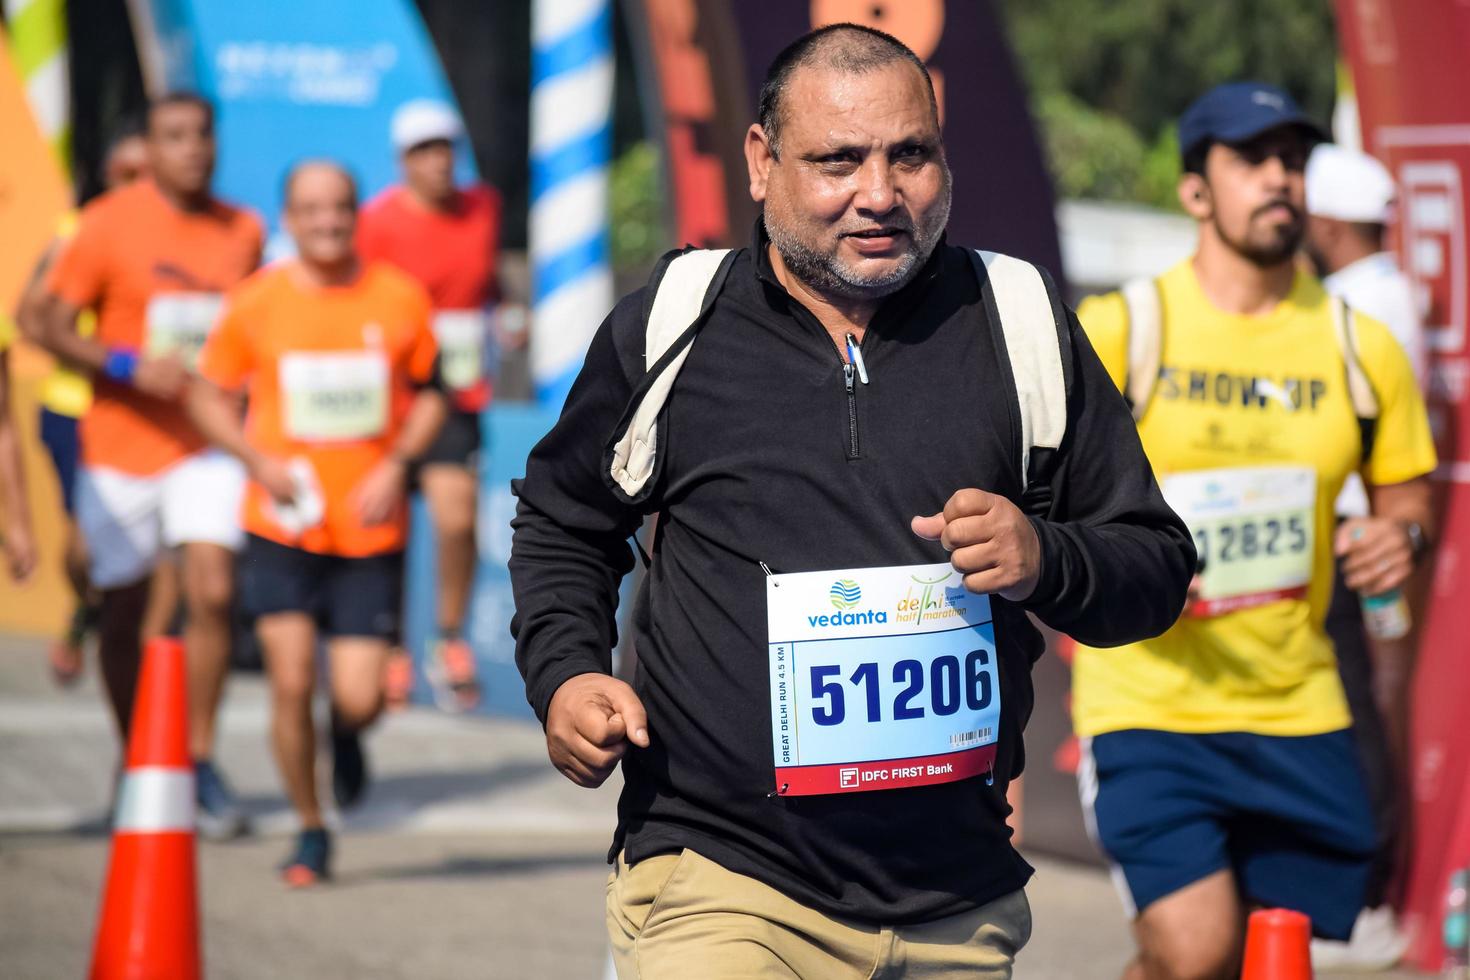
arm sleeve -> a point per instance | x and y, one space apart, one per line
226 359
1115 560
1402 445
80 269
570 550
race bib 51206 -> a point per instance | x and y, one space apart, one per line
881 678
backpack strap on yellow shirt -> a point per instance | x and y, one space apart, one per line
1145 309
1359 386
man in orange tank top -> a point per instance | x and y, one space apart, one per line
338 364
153 259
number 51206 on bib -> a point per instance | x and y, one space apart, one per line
881 678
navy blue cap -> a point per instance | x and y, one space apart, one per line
1236 112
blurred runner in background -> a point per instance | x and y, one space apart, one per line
153 260
337 363
66 394
447 238
17 537
1350 201
1218 767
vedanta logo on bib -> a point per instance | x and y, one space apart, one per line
845 594
848 618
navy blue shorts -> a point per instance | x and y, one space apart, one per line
346 596
1288 816
59 436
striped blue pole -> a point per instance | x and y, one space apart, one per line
571 147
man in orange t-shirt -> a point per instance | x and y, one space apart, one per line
339 367
447 238
153 260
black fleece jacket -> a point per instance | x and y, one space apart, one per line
763 462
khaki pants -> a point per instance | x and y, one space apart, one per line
680 916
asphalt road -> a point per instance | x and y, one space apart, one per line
469 858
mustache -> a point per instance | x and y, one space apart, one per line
1279 202
903 225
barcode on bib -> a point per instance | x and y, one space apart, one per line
963 739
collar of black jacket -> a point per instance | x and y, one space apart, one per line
903 299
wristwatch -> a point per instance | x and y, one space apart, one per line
1418 541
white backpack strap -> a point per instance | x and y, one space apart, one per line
1028 321
1145 342
1360 389
678 302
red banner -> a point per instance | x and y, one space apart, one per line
709 57
855 777
1410 63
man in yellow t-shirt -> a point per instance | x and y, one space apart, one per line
1218 769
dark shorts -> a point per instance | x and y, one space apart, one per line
59 436
346 596
457 444
1288 816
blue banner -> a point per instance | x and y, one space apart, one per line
293 79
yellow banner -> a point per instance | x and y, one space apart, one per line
33 196
33 192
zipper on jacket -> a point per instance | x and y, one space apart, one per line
853 450
850 376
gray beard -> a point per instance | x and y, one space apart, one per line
826 275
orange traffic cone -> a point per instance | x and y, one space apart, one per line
1278 946
149 925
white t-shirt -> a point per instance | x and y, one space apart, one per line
1376 287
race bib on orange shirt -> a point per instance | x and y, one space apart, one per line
334 396
881 678
1253 528
461 337
180 323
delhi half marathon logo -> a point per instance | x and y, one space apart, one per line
845 594
934 599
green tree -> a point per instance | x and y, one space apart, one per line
1141 62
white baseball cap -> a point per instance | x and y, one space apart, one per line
424 121
1348 185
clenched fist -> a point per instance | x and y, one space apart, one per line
591 720
990 542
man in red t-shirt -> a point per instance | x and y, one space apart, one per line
446 237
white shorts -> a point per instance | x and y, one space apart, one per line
129 520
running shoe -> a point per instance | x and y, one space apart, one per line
310 862
349 767
66 653
219 814
66 662
398 679
452 673
1376 945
